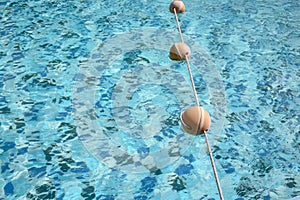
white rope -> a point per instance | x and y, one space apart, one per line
213 166
197 102
178 25
192 80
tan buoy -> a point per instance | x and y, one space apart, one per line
178 5
195 120
179 50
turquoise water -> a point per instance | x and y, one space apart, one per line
90 101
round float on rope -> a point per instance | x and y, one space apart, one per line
195 120
179 50
178 5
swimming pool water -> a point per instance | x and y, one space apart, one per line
90 101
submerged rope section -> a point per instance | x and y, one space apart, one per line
175 7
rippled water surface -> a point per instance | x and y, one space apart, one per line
90 101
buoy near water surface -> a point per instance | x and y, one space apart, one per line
179 51
178 5
195 120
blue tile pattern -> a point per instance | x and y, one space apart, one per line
89 101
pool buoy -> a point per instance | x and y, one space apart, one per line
178 5
179 50
195 120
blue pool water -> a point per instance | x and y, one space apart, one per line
90 101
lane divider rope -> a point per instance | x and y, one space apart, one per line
197 103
